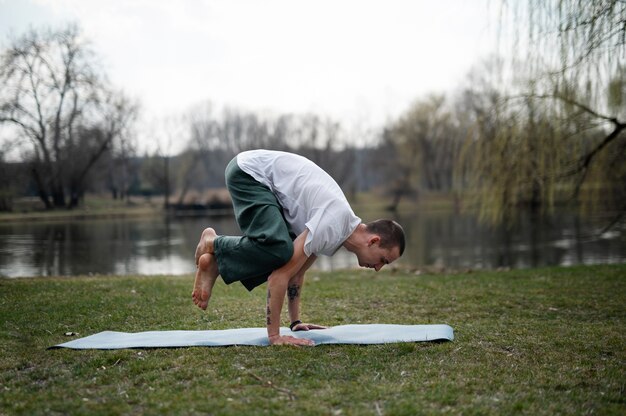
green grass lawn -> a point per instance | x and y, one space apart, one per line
545 341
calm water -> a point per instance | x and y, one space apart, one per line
441 239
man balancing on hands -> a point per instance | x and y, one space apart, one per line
289 211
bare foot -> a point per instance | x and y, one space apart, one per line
206 275
205 245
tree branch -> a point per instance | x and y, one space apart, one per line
572 102
585 161
32 132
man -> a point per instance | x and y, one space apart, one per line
289 211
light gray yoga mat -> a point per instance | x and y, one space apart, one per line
344 334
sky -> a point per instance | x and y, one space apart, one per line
357 61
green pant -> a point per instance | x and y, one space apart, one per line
266 244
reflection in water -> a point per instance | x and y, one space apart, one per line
154 246
441 239
460 241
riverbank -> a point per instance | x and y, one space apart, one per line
82 214
95 207
540 341
103 207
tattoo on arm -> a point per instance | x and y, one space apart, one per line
293 292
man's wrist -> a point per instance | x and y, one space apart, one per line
294 323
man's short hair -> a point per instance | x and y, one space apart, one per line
390 232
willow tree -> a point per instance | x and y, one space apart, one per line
557 129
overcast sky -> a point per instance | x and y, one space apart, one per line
354 60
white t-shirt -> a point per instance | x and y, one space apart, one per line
309 196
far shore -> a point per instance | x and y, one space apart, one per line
102 207
82 214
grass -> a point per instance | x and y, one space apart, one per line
545 341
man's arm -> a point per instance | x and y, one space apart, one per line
277 285
294 292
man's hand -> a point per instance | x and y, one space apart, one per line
305 327
287 340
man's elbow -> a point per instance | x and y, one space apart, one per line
278 278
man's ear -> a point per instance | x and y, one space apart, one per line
373 240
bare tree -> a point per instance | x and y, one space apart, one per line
6 181
119 166
322 140
426 146
93 141
59 102
216 138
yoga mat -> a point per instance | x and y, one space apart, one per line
343 334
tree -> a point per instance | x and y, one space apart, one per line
6 185
426 146
95 140
154 176
560 122
216 139
119 167
322 140
66 116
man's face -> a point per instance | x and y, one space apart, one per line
374 257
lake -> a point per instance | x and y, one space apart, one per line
439 239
